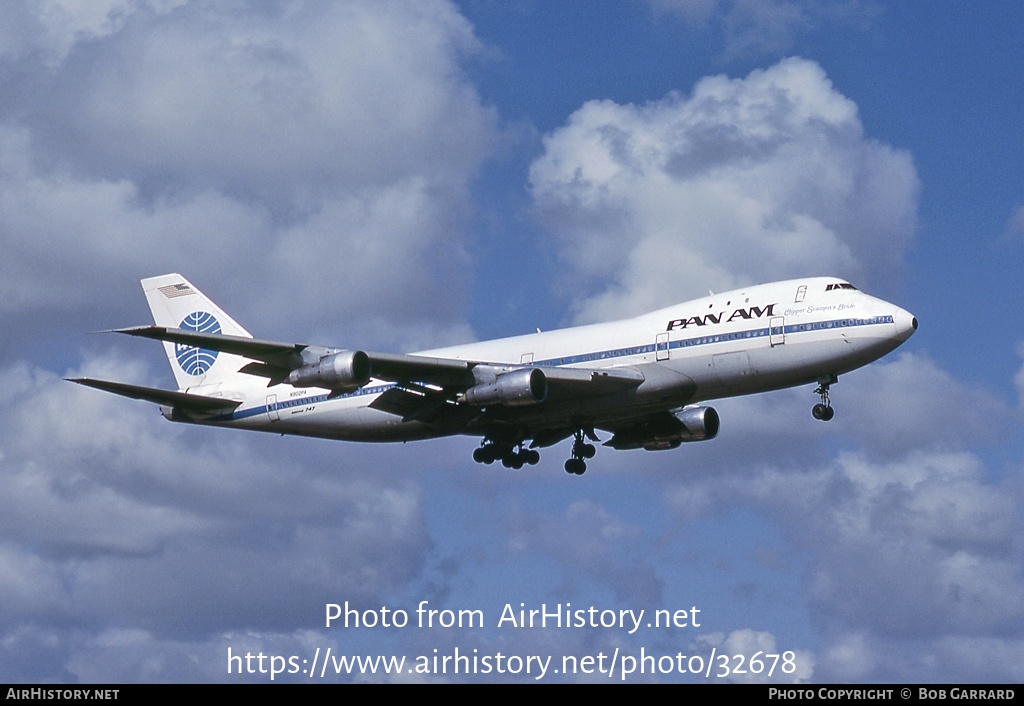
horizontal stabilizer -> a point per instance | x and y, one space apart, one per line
183 400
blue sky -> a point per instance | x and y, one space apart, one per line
399 176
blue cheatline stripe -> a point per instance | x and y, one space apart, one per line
586 358
714 338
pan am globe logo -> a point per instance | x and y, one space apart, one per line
192 359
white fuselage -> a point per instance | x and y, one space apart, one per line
751 340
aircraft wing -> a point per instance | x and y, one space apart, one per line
412 401
448 373
288 356
271 352
458 375
182 400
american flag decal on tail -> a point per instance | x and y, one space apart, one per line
176 290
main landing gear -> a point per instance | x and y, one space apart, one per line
513 456
513 453
823 410
580 450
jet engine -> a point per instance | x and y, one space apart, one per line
700 423
347 370
670 430
515 389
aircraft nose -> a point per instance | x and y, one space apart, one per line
906 324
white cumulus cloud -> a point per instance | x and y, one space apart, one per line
323 150
745 180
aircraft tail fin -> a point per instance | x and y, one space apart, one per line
176 303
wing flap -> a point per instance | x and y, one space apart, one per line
275 374
444 372
564 383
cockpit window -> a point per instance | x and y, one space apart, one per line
839 285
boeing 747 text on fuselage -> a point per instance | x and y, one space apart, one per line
644 381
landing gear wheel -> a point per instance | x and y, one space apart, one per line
513 459
576 466
580 450
823 410
485 454
490 451
512 455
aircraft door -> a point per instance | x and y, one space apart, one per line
661 347
272 411
777 331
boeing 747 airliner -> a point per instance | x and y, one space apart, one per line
644 381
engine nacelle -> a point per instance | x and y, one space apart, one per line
515 389
702 423
690 424
347 370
